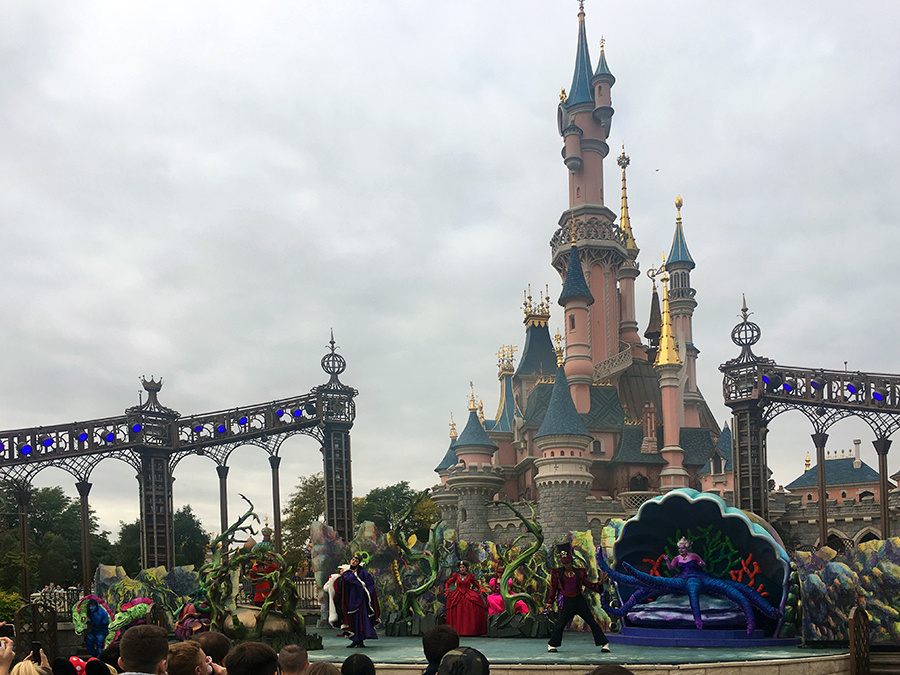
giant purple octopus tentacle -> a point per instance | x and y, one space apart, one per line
744 596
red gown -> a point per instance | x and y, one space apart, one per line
466 611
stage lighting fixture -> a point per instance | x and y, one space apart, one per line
790 386
853 386
773 381
817 382
880 395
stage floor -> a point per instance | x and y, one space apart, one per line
578 655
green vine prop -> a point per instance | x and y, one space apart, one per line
429 556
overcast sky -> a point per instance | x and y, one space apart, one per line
201 191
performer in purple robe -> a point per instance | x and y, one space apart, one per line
359 604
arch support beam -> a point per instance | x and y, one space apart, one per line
820 439
84 489
222 470
275 463
882 445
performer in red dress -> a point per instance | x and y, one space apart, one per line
466 611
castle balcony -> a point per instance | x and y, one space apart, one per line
632 501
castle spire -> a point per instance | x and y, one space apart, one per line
667 354
679 252
580 91
624 221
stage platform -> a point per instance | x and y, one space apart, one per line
578 655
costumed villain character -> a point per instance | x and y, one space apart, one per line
466 611
566 585
357 602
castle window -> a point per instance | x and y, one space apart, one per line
809 497
597 447
717 464
571 322
843 495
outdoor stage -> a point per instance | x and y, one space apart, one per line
577 655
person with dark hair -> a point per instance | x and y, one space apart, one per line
464 661
436 642
251 658
143 649
357 664
466 610
359 603
186 658
110 656
566 586
293 660
214 644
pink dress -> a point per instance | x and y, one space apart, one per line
495 600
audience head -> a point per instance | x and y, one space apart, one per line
28 667
322 668
464 661
214 644
292 659
610 669
251 658
438 641
143 649
110 656
357 664
186 658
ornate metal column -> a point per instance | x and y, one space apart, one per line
23 496
157 513
820 438
84 489
337 410
882 445
222 470
275 463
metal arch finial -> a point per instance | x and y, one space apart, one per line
331 342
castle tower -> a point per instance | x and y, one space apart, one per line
538 358
668 365
629 271
563 471
681 305
576 298
474 479
501 429
584 118
443 497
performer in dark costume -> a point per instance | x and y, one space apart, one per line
466 610
358 603
566 585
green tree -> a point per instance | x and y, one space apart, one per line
383 504
305 506
191 540
126 552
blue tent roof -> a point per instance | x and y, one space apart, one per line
506 413
603 67
575 287
837 472
580 91
538 357
474 434
561 417
679 252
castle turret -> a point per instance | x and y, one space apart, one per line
474 479
629 271
682 304
668 365
563 471
576 298
443 497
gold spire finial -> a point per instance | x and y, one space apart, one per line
679 202
807 464
472 405
536 314
453 434
581 9
602 44
505 360
624 220
667 354
481 411
559 348
562 95
572 229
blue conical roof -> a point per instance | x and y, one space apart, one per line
581 91
603 67
561 417
506 411
449 459
474 434
679 252
575 287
